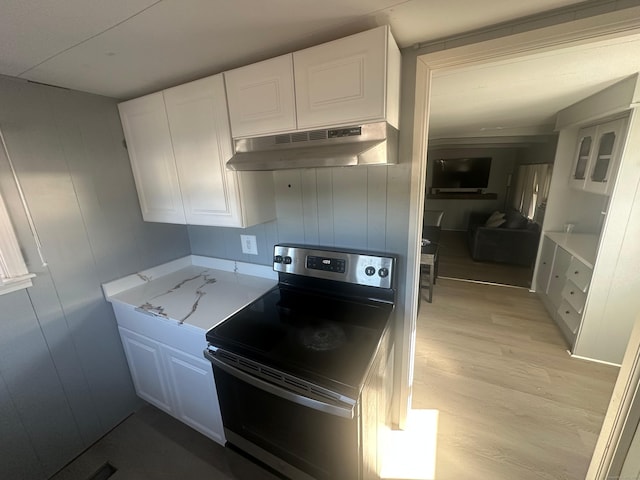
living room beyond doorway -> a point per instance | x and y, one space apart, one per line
455 262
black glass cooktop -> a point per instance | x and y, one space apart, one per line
323 339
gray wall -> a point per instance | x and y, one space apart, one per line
335 207
64 381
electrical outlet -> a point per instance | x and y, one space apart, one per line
249 244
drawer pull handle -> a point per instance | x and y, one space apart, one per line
571 292
577 272
557 276
567 312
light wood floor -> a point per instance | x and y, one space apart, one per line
456 262
513 405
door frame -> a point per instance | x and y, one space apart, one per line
571 35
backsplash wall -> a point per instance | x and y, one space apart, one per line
336 207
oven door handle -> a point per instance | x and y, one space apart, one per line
280 392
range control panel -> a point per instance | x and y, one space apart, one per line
362 268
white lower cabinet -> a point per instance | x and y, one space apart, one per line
176 382
194 392
145 364
562 283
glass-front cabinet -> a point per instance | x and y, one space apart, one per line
597 156
583 153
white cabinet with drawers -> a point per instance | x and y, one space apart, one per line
351 80
563 278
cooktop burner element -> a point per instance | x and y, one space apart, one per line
323 337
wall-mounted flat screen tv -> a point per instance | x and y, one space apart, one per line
461 173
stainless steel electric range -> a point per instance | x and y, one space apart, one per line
303 373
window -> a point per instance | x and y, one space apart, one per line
13 271
531 189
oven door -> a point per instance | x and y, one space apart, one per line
299 436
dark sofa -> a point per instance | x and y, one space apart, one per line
515 242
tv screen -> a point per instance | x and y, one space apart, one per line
461 173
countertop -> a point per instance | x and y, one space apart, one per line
194 290
583 246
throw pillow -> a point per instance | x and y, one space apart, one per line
515 220
495 220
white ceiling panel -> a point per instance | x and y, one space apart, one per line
127 48
523 95
170 43
32 31
419 21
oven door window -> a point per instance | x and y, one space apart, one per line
321 444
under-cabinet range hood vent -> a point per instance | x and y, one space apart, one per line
367 144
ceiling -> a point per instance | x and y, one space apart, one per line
520 97
127 48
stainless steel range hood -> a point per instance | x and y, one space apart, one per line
367 144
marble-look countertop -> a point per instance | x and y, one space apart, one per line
194 290
583 246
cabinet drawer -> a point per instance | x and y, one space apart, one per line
579 274
569 316
574 296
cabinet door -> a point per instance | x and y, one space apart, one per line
261 97
544 268
606 156
193 387
144 121
583 154
342 82
146 367
558 278
199 125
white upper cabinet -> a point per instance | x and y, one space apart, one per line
352 80
584 149
597 157
201 139
146 129
261 97
179 142
606 157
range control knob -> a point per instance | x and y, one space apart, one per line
383 272
287 260
277 259
369 271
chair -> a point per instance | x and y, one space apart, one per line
431 226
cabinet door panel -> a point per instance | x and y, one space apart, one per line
145 365
144 121
546 262
558 278
195 393
202 145
261 97
605 157
579 274
342 82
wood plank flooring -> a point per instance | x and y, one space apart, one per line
456 262
512 403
